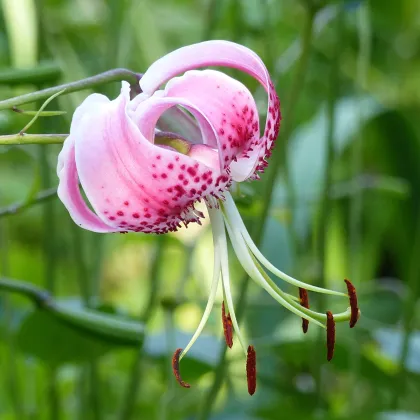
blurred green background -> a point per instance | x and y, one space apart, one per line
345 203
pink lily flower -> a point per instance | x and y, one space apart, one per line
139 179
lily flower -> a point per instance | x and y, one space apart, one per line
139 179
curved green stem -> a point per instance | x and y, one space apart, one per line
90 82
39 112
94 323
16 208
20 139
276 161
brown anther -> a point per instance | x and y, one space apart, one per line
175 368
304 301
351 290
251 370
330 335
227 327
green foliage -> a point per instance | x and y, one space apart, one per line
61 364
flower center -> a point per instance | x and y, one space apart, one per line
173 141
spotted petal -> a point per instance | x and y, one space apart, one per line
131 183
68 189
229 54
227 104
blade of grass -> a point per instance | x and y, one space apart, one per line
11 373
325 201
49 246
412 294
43 73
133 387
88 291
356 201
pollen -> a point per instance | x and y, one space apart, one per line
227 327
175 368
351 290
304 301
251 370
330 335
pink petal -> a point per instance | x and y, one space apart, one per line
69 192
131 183
229 54
228 106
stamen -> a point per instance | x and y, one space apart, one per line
219 238
330 335
251 370
210 302
353 303
235 220
304 301
175 368
253 269
227 327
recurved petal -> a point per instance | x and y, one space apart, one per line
228 106
229 54
69 192
131 183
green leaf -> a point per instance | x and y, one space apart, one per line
43 336
71 333
308 152
383 306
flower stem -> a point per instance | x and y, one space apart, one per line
21 139
90 82
39 112
96 324
16 208
274 167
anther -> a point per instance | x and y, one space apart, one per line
304 301
351 290
330 335
175 368
251 370
227 327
